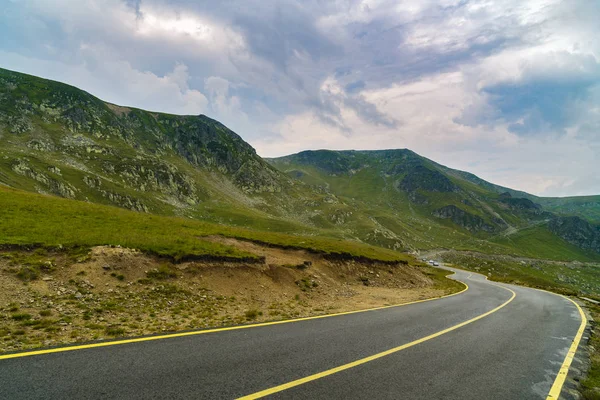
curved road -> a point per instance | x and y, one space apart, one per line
490 341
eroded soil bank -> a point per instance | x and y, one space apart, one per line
51 298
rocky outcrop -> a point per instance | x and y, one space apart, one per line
470 222
130 157
54 186
577 231
519 203
427 179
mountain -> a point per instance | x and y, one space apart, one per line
57 139
424 204
586 207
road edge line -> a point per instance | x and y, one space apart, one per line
214 330
563 372
561 376
322 374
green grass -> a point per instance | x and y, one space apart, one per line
538 242
565 278
164 271
590 386
439 276
378 204
252 314
21 317
28 219
587 207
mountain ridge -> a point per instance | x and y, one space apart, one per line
430 189
57 139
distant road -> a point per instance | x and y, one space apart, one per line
492 341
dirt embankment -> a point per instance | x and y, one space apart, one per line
50 298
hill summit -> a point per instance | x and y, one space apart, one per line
59 140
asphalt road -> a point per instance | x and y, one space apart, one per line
512 350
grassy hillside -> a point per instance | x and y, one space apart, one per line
59 140
417 204
587 207
28 219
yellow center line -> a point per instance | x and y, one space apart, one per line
202 332
365 360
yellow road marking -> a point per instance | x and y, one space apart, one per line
564 369
193 333
561 377
365 360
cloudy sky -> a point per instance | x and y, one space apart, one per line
506 89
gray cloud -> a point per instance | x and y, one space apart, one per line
549 96
468 74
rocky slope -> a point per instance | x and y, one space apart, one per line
435 204
59 140
577 231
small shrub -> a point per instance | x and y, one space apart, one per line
52 328
46 313
47 266
252 314
28 273
41 323
164 271
169 289
21 317
114 331
306 284
79 254
304 265
41 252
112 305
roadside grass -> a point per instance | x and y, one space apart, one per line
590 386
441 279
33 220
560 277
